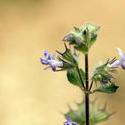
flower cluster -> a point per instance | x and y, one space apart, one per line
81 40
50 60
83 37
64 61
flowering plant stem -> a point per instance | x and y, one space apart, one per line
81 39
87 89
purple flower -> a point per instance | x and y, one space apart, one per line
69 122
50 60
120 62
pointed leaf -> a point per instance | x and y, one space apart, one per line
110 89
73 77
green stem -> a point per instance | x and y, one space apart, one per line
87 89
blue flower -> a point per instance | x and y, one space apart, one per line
120 62
69 122
50 60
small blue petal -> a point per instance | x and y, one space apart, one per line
69 122
74 123
117 63
45 52
68 119
43 61
49 57
65 123
121 53
123 65
47 67
54 68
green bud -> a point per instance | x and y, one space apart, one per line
83 37
102 73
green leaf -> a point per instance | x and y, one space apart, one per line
73 77
110 89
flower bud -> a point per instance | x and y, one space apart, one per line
68 58
83 37
102 73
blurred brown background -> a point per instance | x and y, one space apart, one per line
31 96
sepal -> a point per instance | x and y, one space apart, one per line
69 59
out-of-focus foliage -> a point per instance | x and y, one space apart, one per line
96 116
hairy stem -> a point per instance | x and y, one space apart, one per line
87 89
